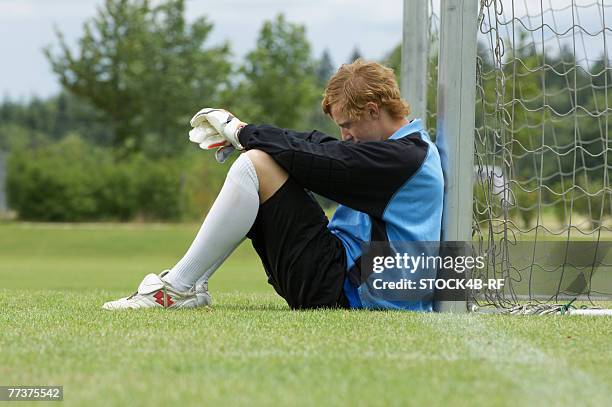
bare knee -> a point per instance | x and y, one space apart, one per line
271 176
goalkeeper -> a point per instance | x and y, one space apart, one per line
385 174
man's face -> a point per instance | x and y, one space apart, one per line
367 128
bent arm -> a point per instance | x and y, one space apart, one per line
363 176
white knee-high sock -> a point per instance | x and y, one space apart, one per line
225 226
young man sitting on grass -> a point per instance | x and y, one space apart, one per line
385 174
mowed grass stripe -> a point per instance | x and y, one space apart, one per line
575 353
251 348
269 354
540 370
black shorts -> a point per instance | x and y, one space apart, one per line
304 261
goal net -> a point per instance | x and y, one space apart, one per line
542 198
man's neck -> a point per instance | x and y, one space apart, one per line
394 126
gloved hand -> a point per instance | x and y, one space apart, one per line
208 138
225 123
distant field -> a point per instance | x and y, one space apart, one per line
250 349
110 256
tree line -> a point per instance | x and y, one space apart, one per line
113 143
545 115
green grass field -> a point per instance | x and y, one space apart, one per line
250 349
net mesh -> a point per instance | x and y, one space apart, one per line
543 92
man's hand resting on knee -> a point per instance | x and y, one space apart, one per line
216 128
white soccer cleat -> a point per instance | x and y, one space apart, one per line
154 292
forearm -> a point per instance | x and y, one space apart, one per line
363 176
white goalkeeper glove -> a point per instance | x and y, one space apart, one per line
208 138
226 124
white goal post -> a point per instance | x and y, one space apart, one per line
523 94
455 107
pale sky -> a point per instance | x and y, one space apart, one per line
374 26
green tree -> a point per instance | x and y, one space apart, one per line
146 68
15 136
394 61
355 55
325 69
319 120
279 83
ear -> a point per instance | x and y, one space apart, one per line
373 110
